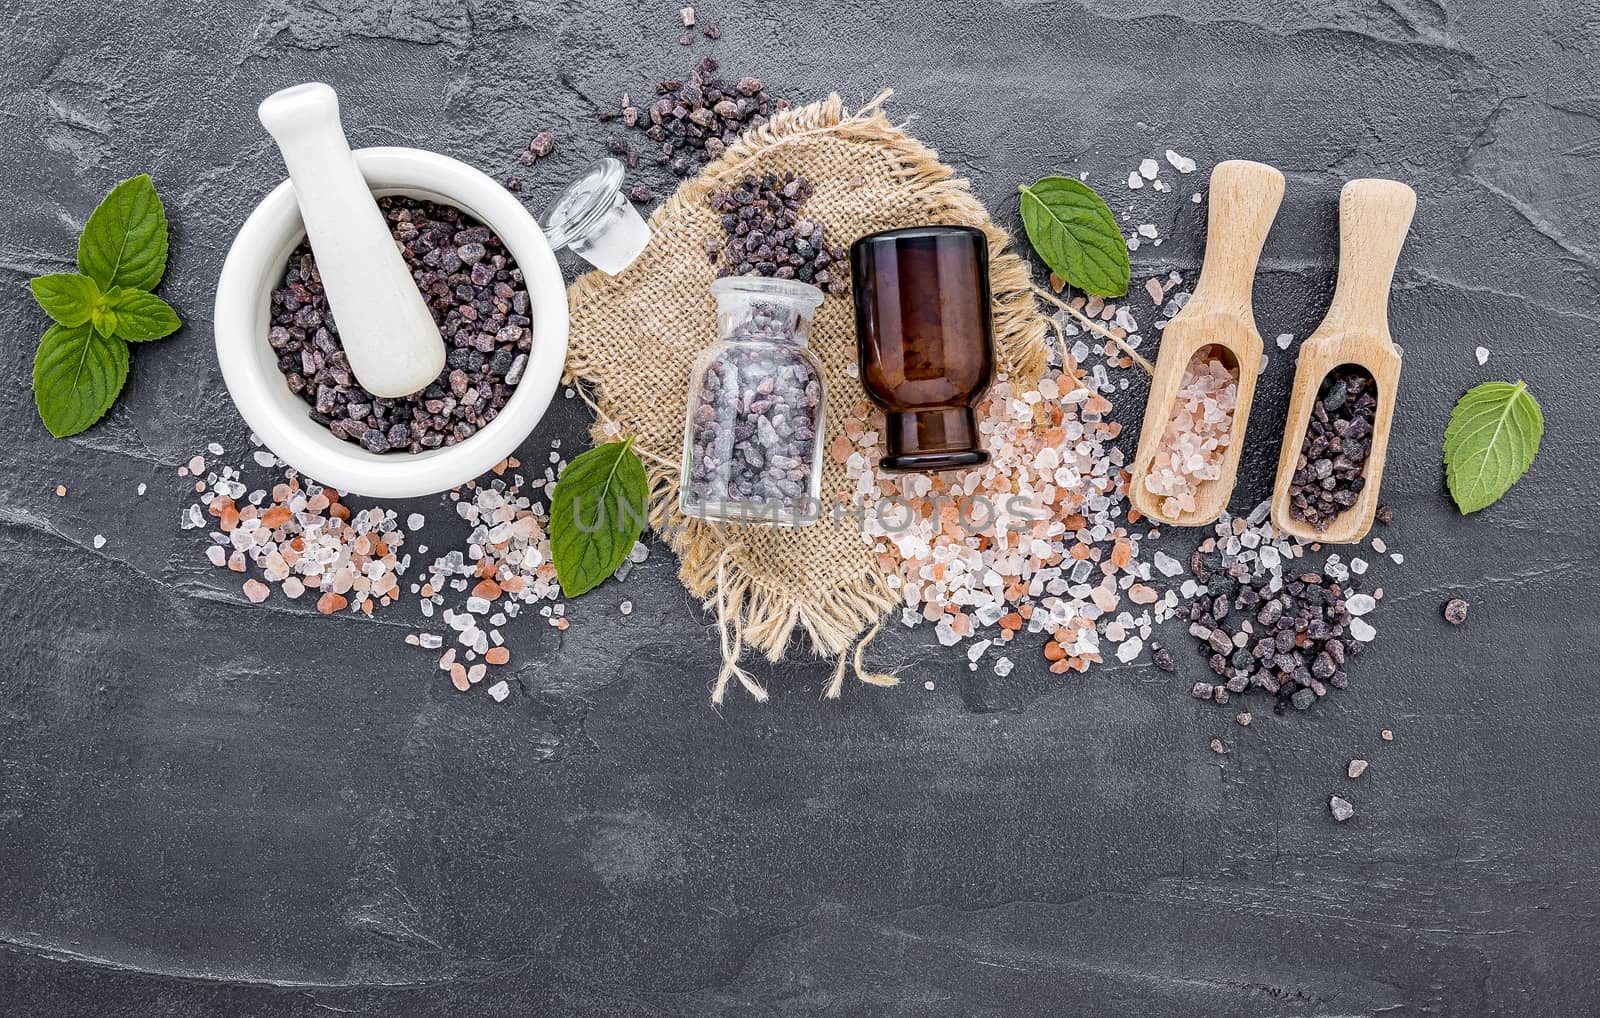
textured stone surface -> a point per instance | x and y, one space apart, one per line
213 808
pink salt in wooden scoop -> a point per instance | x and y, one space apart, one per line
1219 321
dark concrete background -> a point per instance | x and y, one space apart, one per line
212 808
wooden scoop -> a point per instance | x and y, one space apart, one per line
1244 200
1373 218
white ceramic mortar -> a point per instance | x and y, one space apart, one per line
255 267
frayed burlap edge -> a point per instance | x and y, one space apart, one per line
750 608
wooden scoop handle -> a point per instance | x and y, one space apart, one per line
1374 216
1244 201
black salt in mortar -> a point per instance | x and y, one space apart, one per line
476 294
1329 475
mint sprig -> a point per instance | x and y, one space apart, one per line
82 361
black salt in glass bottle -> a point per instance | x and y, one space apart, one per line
752 444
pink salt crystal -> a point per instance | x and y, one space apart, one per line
256 591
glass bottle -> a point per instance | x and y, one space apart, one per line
752 444
924 333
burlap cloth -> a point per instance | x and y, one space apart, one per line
634 336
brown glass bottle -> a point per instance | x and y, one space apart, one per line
924 334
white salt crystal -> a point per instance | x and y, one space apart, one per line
1135 181
1482 354
1168 565
1183 164
1149 168
1358 566
1003 666
1378 545
625 607
1398 559
415 521
1129 649
1147 230
1361 630
99 540
499 691
1195 197
215 448
1359 604
430 641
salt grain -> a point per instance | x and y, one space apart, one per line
1360 604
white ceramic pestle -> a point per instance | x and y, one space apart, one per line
388 334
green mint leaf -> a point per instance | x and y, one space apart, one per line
1490 442
1077 236
77 374
67 297
137 316
596 513
124 242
